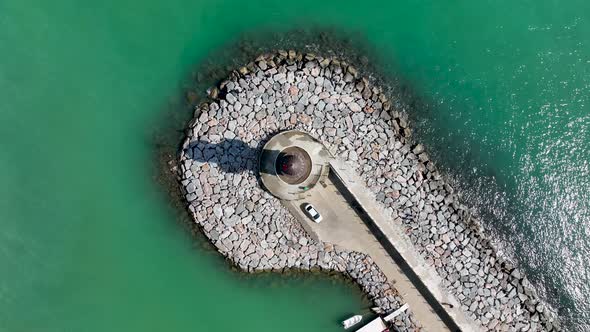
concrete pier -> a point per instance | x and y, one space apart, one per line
398 246
342 225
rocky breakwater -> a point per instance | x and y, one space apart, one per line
360 124
219 166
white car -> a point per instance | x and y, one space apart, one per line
312 212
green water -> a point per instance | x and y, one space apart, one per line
90 242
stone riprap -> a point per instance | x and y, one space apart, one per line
252 228
355 120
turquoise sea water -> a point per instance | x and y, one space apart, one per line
90 242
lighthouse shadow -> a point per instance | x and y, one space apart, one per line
233 156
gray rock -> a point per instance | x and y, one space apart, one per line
231 98
218 211
229 135
353 106
303 241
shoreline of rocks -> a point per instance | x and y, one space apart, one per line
329 99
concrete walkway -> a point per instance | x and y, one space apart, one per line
399 246
343 226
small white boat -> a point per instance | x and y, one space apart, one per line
352 321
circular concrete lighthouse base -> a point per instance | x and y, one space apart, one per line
292 163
